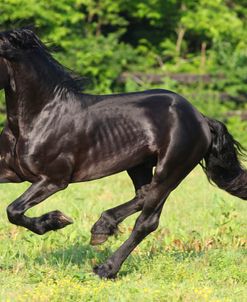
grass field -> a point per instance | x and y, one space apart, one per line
199 252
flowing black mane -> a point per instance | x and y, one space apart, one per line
15 43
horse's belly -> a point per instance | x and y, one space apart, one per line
101 165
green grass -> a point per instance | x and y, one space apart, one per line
197 254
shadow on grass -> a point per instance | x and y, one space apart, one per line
77 254
84 254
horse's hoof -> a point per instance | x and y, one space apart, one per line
104 271
62 219
97 239
57 220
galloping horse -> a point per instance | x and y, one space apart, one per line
56 135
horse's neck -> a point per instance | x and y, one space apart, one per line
22 107
12 111
25 104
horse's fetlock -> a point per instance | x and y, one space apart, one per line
105 225
12 214
147 226
153 226
105 216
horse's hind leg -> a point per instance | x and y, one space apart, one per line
35 194
107 224
172 167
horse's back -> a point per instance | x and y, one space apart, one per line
125 130
158 109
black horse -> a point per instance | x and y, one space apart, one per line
56 135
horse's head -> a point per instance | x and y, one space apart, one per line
10 51
19 50
26 62
15 44
4 75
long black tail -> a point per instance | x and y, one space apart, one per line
222 164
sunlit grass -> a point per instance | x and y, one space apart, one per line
197 254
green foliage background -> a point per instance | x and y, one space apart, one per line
102 39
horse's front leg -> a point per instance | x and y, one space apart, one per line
35 194
6 174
